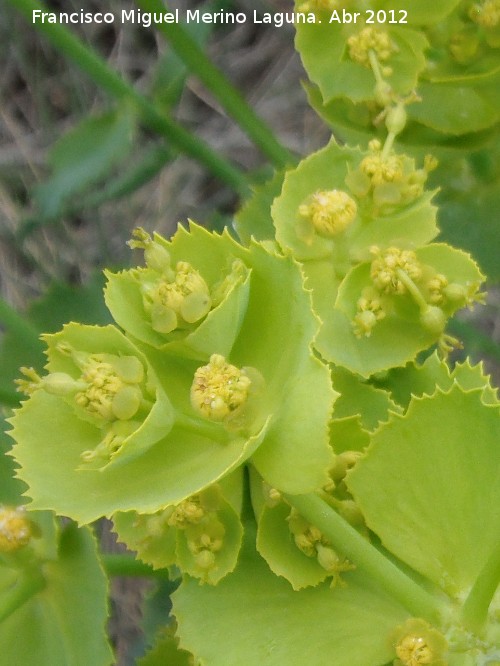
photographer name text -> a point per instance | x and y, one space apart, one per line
277 19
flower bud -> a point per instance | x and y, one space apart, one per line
433 319
16 529
396 118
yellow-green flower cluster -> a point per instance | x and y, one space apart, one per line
388 269
16 529
370 40
391 179
173 296
486 14
331 212
370 310
417 643
219 389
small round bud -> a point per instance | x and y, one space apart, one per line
433 319
456 293
396 118
60 383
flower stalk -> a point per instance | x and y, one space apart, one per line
475 608
360 552
28 584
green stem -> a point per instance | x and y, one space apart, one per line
97 68
126 565
27 585
375 65
415 292
389 142
214 80
475 608
201 427
356 548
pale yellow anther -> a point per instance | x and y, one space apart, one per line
370 39
176 298
16 529
418 644
413 651
219 389
106 395
486 14
370 311
330 212
188 512
385 269
436 286
272 496
205 541
383 170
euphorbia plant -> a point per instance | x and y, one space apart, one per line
273 419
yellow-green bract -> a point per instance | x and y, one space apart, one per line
150 448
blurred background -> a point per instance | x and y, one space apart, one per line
62 226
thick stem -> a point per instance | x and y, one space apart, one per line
201 427
475 608
93 65
230 99
415 292
28 584
356 548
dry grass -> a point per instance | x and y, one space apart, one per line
44 96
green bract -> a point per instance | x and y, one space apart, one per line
336 56
190 298
130 422
272 624
201 535
433 504
378 321
39 582
389 205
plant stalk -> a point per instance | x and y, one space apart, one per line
360 552
215 81
475 608
98 70
28 584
